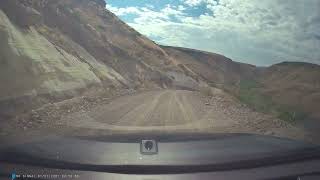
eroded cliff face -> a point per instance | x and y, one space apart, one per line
55 49
33 65
49 46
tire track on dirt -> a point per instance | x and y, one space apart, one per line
142 114
115 110
184 106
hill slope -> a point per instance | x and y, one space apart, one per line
215 69
293 84
53 49
289 90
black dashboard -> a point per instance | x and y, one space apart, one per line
155 157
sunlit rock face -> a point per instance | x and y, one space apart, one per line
60 46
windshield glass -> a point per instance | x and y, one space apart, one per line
96 68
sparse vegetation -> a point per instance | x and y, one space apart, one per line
100 28
77 15
291 115
250 95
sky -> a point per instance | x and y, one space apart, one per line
259 32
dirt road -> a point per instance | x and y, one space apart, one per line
162 111
178 110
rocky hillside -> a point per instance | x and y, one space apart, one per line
289 90
294 84
52 50
214 69
62 45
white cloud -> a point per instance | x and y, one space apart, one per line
123 11
168 10
181 8
193 2
252 31
199 2
147 14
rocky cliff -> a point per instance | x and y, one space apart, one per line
57 48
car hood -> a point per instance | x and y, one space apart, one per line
183 150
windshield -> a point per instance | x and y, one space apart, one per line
102 68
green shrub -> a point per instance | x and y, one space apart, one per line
100 28
291 115
249 94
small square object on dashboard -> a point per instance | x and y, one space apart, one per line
148 147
